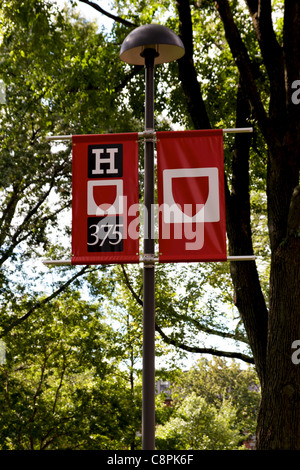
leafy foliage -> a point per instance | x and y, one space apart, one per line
63 75
199 426
60 385
215 405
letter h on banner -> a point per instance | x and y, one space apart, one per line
191 197
105 199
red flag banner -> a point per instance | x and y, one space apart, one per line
105 199
191 197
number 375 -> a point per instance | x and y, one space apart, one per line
105 234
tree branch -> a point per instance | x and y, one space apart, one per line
45 301
185 347
261 13
135 71
118 19
291 40
131 289
8 213
187 71
205 329
272 53
20 233
243 62
195 349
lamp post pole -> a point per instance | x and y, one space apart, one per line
148 411
148 45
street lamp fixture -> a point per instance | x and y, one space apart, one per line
167 45
149 45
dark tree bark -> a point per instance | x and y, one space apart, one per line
249 298
187 72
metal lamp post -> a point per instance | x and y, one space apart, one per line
149 45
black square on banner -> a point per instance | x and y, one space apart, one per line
105 234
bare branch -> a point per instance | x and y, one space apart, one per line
208 330
131 289
195 349
135 71
118 19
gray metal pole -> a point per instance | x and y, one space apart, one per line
148 412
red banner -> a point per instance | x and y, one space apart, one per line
191 197
105 199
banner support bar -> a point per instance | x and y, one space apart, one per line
56 262
148 133
241 130
148 260
59 137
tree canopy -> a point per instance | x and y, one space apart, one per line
241 68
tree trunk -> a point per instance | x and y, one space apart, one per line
249 298
279 416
